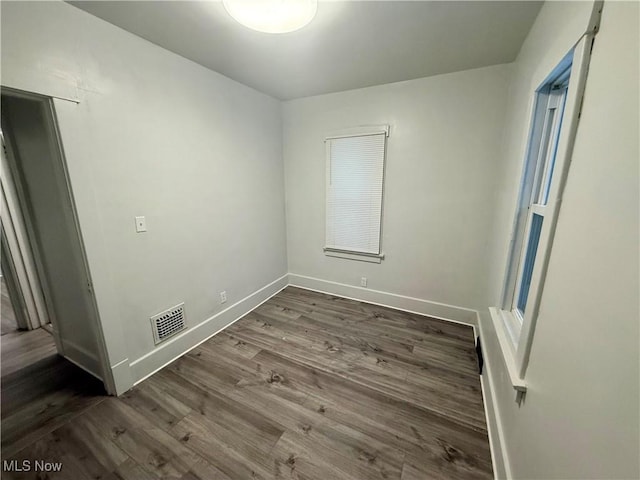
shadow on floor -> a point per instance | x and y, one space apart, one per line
42 396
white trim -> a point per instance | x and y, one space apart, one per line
122 379
538 117
120 363
82 358
60 164
518 225
19 252
419 306
513 325
190 338
577 81
516 355
361 131
497 461
16 92
495 429
362 257
507 347
539 209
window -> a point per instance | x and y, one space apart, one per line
553 127
537 185
354 186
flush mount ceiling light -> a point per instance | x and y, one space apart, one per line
272 16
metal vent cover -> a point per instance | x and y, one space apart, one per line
168 323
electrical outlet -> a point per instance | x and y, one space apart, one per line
223 297
141 224
363 281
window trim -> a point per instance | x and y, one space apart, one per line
363 257
537 202
359 131
516 345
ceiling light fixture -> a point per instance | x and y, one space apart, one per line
272 16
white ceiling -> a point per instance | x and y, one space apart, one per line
350 44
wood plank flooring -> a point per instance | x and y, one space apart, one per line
40 390
23 348
307 386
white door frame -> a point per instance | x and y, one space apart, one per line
31 305
106 375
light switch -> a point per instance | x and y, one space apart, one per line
141 224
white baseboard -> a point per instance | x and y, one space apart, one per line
166 353
499 458
385 299
122 379
82 358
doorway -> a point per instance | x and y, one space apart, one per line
53 363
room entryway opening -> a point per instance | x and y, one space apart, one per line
52 360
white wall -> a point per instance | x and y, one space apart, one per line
156 135
442 159
580 417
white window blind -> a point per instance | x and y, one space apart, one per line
355 174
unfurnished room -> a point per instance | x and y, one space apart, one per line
320 239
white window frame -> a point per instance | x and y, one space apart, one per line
515 328
363 131
535 189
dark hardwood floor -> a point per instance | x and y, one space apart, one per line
307 386
39 390
20 349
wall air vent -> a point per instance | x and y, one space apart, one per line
168 323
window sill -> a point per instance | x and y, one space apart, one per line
501 322
361 257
